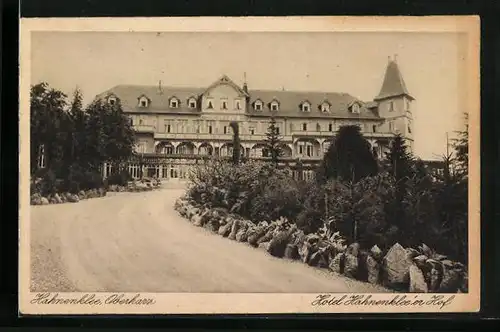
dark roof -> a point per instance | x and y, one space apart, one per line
289 102
393 84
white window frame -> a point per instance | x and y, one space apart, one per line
325 107
251 130
192 103
112 100
174 103
223 104
306 107
275 106
355 108
258 105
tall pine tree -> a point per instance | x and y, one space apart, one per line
236 142
273 142
349 157
399 161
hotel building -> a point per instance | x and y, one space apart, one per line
177 127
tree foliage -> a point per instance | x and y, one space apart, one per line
76 142
349 157
236 142
273 142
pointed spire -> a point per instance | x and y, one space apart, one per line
393 85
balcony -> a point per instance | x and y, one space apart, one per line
213 137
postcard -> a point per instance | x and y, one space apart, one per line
246 165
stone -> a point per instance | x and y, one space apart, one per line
264 246
255 236
337 264
36 199
376 252
373 270
81 194
73 198
196 220
450 282
319 259
292 251
417 280
44 201
267 236
52 200
305 252
353 249
420 260
425 250
234 229
434 280
224 230
58 199
241 236
351 266
278 243
396 267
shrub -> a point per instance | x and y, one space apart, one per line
120 179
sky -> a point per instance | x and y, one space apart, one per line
352 62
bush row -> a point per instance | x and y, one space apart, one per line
66 197
418 270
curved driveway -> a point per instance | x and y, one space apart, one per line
136 242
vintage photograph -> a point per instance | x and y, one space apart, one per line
258 162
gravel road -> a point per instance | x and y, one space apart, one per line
136 242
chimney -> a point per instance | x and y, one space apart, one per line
160 89
396 57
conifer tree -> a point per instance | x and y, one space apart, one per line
273 142
236 142
349 158
399 160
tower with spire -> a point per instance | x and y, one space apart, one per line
395 102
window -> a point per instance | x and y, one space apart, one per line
174 103
192 103
225 129
391 106
41 156
306 107
325 107
143 103
112 101
252 130
210 129
277 130
237 105
301 149
407 105
355 108
309 150
210 105
391 126
330 127
168 128
374 127
140 121
409 128
274 106
258 105
131 121
318 127
304 126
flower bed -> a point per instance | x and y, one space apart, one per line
59 198
418 270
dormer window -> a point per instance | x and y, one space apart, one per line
237 104
306 107
355 108
274 106
112 100
192 103
174 103
143 101
258 105
325 107
210 105
223 105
